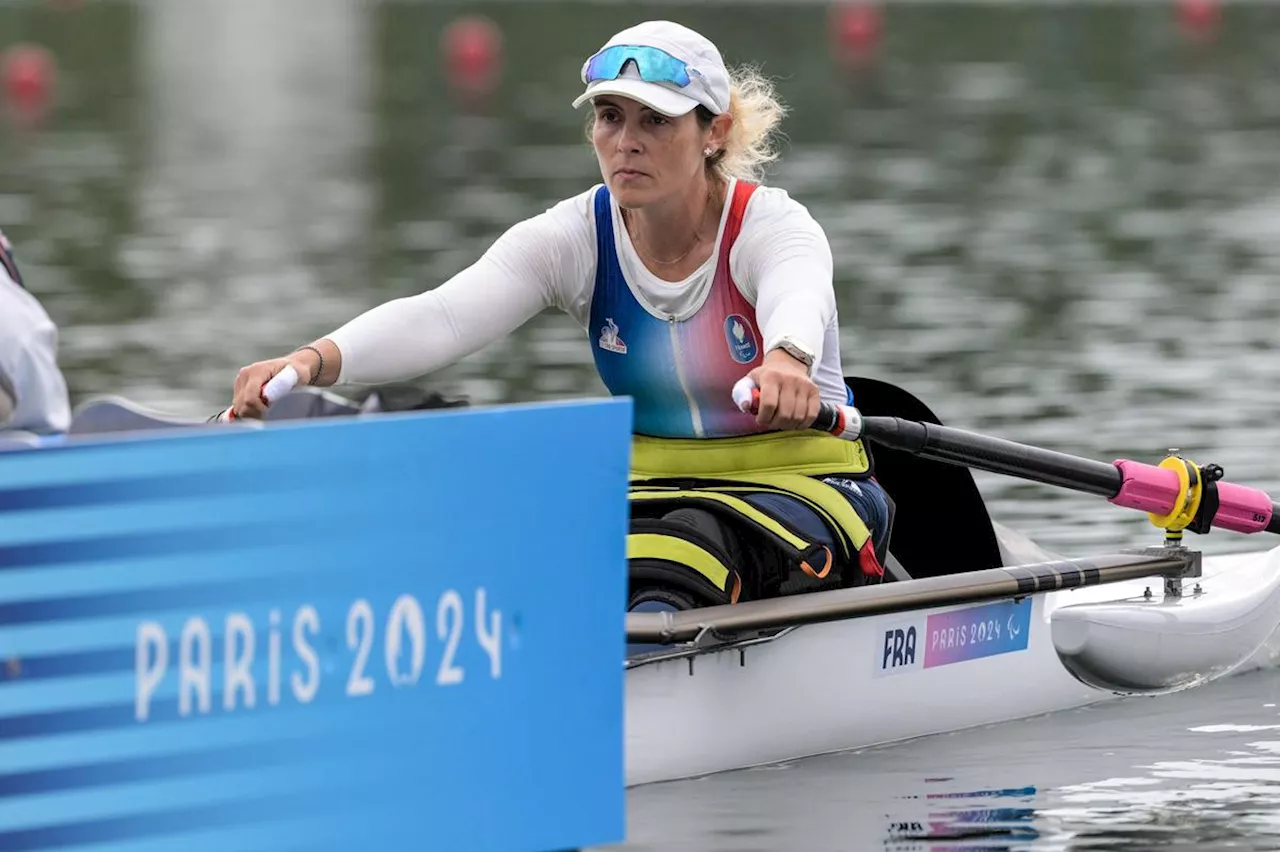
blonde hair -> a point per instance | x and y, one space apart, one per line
752 142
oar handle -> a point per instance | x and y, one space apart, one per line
1177 494
272 389
843 421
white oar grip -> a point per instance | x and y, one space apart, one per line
745 391
280 384
274 388
843 421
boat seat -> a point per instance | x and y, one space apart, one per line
940 523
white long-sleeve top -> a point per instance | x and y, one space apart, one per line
781 262
29 359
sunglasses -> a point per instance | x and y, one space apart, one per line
654 65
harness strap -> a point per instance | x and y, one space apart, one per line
808 452
735 504
805 553
678 555
721 475
814 491
671 548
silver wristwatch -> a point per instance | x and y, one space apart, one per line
795 350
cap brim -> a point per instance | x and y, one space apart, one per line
653 95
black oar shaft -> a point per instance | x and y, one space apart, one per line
956 446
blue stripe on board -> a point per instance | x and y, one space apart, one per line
122 715
149 543
50 666
124 575
252 756
81 719
258 727
173 821
207 484
202 595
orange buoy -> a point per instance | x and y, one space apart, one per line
472 48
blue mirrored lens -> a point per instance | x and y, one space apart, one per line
654 65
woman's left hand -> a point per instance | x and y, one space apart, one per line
789 399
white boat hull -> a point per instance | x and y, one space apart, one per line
855 683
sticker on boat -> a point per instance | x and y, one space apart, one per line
955 636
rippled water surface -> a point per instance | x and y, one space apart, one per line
1057 223
1193 771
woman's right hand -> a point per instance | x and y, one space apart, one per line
247 397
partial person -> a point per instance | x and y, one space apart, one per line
33 391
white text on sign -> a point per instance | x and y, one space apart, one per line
404 658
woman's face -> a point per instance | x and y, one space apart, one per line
646 156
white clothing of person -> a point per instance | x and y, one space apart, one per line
781 263
29 372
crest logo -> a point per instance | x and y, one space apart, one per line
741 338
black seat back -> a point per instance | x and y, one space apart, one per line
940 523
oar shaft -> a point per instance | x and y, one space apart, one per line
949 590
1132 484
997 455
1163 492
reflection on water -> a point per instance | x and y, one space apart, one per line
956 822
1190 772
1193 803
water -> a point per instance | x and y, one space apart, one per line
1190 772
1055 223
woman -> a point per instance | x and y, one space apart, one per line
687 275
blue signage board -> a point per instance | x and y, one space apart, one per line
399 632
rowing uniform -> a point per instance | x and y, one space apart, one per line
30 380
676 348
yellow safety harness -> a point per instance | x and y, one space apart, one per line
719 474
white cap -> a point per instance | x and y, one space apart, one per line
708 78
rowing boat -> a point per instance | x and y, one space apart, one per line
981 625
976 624
731 700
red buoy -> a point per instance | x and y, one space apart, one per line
29 76
856 27
472 49
1198 19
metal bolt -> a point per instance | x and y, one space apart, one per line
1147 593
